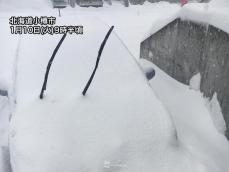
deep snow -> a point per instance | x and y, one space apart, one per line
120 120
121 124
197 130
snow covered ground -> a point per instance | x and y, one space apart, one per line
122 124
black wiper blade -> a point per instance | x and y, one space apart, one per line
97 61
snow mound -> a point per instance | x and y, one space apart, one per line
195 82
216 114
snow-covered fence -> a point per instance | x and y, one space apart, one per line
184 48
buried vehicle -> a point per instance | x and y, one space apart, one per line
119 125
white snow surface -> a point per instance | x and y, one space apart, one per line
216 113
120 119
215 13
194 82
206 13
121 125
8 54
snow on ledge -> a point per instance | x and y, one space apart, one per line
205 13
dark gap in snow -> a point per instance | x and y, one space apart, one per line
3 93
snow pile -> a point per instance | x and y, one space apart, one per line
212 105
216 114
195 82
214 13
196 130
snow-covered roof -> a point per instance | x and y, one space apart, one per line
217 16
212 13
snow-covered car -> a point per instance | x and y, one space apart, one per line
118 126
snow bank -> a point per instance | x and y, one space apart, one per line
216 114
195 82
214 13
